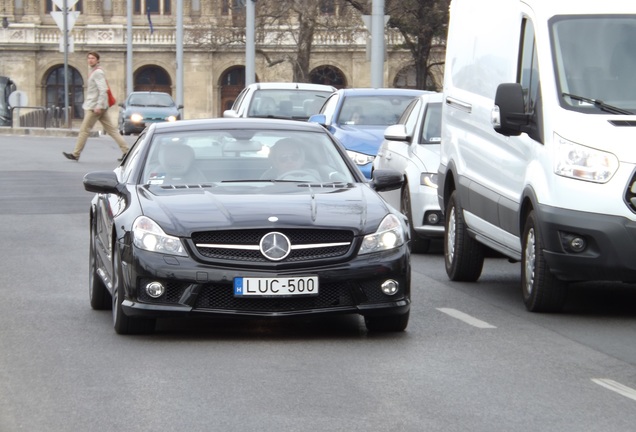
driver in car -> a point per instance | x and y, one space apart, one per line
288 162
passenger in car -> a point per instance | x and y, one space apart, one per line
176 166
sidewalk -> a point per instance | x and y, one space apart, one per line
34 131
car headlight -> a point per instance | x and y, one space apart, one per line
148 235
171 118
136 118
389 235
583 163
360 158
428 179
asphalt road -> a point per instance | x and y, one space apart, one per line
472 359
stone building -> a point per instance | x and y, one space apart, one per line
213 50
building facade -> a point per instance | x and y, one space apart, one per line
213 50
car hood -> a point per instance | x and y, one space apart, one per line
365 139
181 211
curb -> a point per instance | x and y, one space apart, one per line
56 132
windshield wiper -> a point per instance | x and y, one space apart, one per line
599 103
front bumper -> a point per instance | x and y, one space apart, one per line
194 288
610 251
424 203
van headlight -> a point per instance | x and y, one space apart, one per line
583 163
149 236
389 235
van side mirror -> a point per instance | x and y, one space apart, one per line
509 117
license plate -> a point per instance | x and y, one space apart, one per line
283 286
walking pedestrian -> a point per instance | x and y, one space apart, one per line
96 108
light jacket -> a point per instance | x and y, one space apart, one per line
96 96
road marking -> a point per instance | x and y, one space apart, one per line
617 387
466 318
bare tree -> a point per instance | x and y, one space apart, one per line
423 25
286 30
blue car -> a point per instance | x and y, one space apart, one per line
143 108
359 116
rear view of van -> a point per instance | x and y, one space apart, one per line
538 153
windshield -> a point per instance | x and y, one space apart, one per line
151 99
376 110
245 155
292 103
595 62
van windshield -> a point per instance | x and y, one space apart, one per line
595 62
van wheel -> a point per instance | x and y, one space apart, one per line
418 244
542 291
463 255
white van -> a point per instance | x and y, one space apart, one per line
538 153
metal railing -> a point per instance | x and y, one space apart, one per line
39 116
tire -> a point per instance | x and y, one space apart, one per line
418 244
98 293
542 291
463 255
388 323
123 323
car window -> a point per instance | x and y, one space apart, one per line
222 156
288 103
410 117
432 124
329 108
379 110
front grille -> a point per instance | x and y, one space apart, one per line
630 194
222 297
242 245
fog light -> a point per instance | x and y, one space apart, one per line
578 244
155 289
432 218
390 287
573 242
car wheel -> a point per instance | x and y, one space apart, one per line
542 291
123 323
120 127
418 244
388 323
98 293
463 255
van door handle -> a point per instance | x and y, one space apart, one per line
456 103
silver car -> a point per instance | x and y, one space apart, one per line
412 147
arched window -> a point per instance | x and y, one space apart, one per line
231 83
405 78
328 75
152 78
55 90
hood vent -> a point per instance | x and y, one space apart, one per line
181 187
326 185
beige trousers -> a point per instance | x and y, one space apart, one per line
90 118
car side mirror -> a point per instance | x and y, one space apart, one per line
103 182
508 116
318 118
230 114
386 180
396 133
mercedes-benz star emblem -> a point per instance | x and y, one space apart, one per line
275 246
